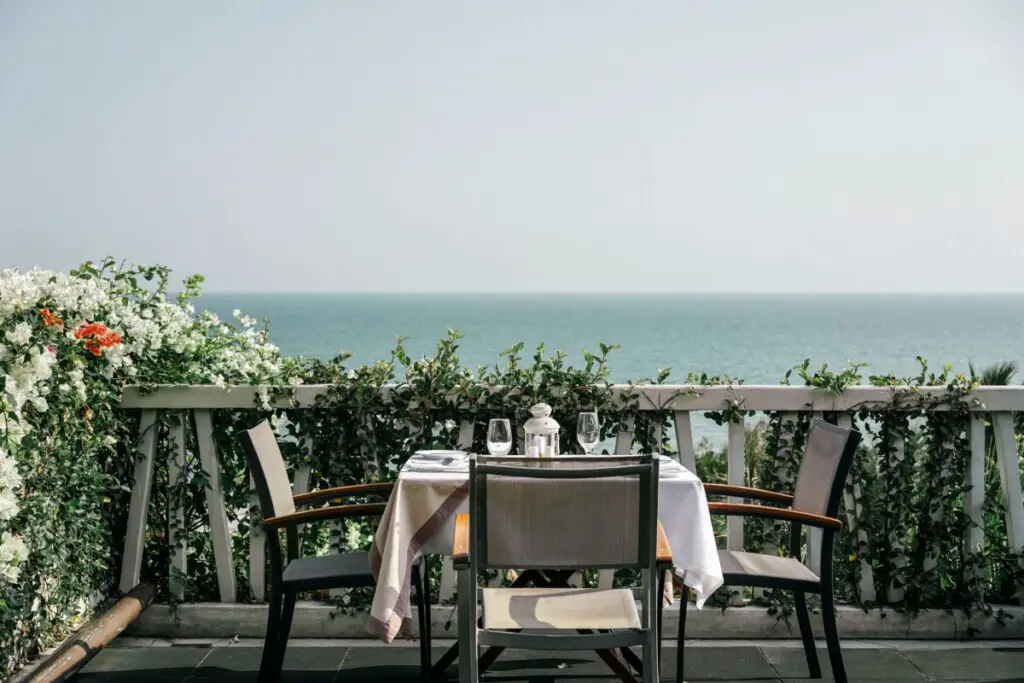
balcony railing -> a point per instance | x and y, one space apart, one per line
195 403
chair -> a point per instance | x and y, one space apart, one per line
559 515
815 502
298 574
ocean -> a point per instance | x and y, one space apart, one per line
753 337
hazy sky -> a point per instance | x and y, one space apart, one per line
533 145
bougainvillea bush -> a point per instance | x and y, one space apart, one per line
68 343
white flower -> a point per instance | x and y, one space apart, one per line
237 313
40 404
279 423
64 388
353 539
9 476
13 552
20 335
8 505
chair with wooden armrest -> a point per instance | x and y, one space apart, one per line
562 514
826 463
297 574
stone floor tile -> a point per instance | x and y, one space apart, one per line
300 663
125 665
866 665
718 664
995 664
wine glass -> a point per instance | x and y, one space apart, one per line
588 431
499 437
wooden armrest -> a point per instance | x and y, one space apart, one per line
342 491
748 492
331 512
664 551
744 509
460 552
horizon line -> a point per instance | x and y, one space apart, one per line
603 293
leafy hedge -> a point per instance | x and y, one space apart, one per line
71 342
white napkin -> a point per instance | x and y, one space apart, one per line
415 464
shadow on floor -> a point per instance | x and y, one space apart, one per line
236 664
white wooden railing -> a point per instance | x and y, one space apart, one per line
196 402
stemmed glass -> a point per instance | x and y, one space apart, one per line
499 437
588 431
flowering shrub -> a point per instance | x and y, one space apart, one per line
68 343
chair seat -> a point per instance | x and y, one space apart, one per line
559 608
345 570
738 565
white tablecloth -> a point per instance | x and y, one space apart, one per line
420 519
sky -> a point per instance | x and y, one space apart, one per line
578 145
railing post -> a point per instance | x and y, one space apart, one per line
896 593
138 508
303 471
974 501
854 512
684 441
220 532
1009 475
257 549
176 534
737 472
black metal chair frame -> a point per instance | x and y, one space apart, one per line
828 523
283 596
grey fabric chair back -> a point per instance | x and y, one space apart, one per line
563 512
266 464
827 457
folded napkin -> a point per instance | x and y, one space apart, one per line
415 464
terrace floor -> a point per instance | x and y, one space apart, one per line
325 661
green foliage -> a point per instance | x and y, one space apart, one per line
907 486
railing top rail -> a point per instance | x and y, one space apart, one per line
679 397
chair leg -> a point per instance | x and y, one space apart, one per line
421 583
828 619
652 665
661 609
684 605
468 666
269 661
804 619
287 612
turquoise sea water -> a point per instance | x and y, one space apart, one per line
756 338
753 337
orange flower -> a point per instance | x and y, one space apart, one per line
97 337
49 319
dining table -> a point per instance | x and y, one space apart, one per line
419 519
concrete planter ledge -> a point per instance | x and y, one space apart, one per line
318 620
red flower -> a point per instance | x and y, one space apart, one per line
98 337
49 319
